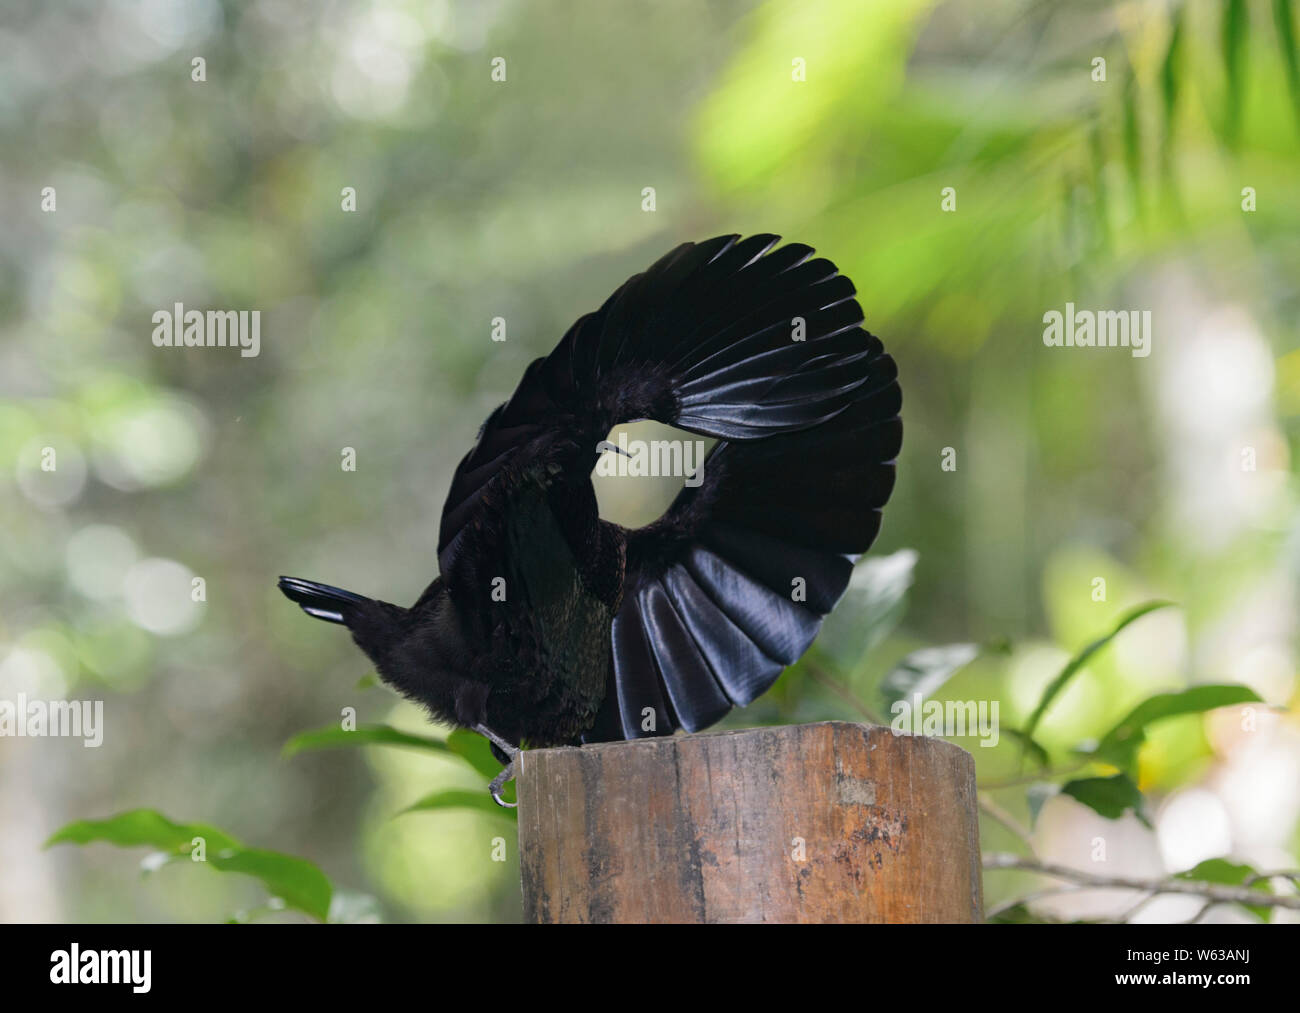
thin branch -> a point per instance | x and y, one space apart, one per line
1213 891
1128 915
1006 819
1259 877
843 692
1291 877
1042 775
1051 891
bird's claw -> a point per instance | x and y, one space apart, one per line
508 774
498 782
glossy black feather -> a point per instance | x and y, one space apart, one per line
638 692
697 699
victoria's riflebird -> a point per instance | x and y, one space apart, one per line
550 626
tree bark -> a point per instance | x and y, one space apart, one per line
830 822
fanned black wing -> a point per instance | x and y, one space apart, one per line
763 349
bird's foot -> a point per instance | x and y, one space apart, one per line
508 774
499 782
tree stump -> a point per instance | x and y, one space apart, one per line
830 822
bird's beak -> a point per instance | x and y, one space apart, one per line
605 445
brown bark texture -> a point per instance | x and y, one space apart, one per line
829 822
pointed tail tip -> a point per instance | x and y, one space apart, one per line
319 600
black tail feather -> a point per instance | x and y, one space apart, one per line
639 701
320 600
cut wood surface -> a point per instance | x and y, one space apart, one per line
830 822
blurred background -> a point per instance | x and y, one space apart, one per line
1171 183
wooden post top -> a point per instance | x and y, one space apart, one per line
828 822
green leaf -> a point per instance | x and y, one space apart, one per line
463 744
1108 796
298 882
926 670
336 737
1171 70
1081 659
459 798
295 880
1036 751
1036 796
1120 745
1132 136
140 827
368 681
1285 24
1236 31
872 606
474 750
1225 873
1099 218
1017 914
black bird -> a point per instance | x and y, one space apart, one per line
549 626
